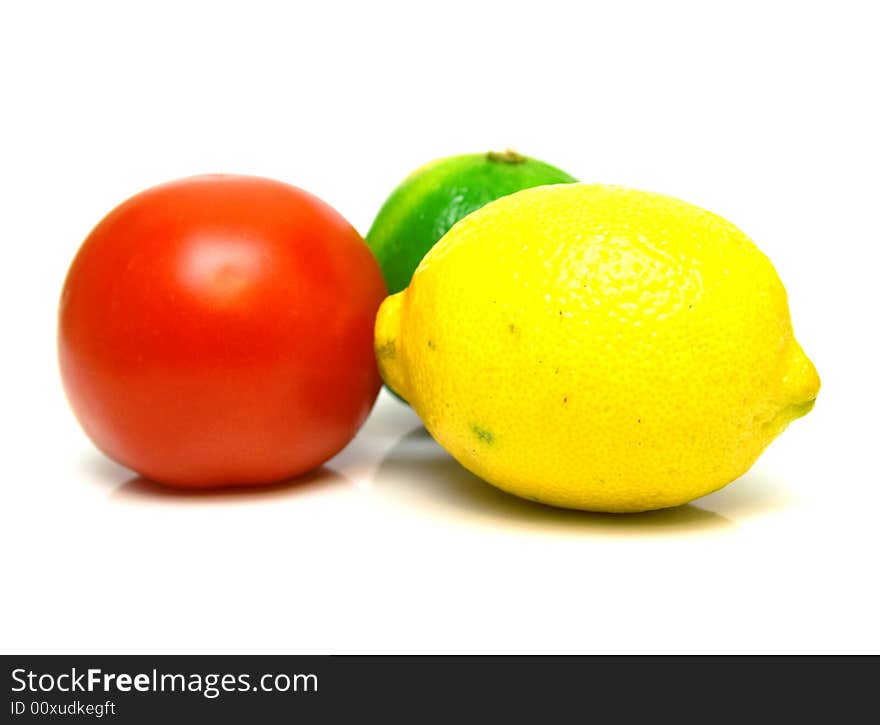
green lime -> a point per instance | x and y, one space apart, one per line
435 196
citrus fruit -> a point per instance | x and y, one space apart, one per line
431 199
596 347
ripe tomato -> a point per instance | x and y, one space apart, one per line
218 330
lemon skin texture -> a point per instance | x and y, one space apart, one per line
596 347
435 196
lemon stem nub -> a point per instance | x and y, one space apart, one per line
386 340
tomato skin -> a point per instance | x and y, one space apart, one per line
218 330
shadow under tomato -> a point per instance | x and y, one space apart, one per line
102 470
143 489
418 474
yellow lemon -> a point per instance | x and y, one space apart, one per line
596 347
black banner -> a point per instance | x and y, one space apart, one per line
268 689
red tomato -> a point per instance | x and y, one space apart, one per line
218 330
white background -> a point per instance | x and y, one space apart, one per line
763 112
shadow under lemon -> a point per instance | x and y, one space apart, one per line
139 488
418 474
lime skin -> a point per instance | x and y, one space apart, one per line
437 195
